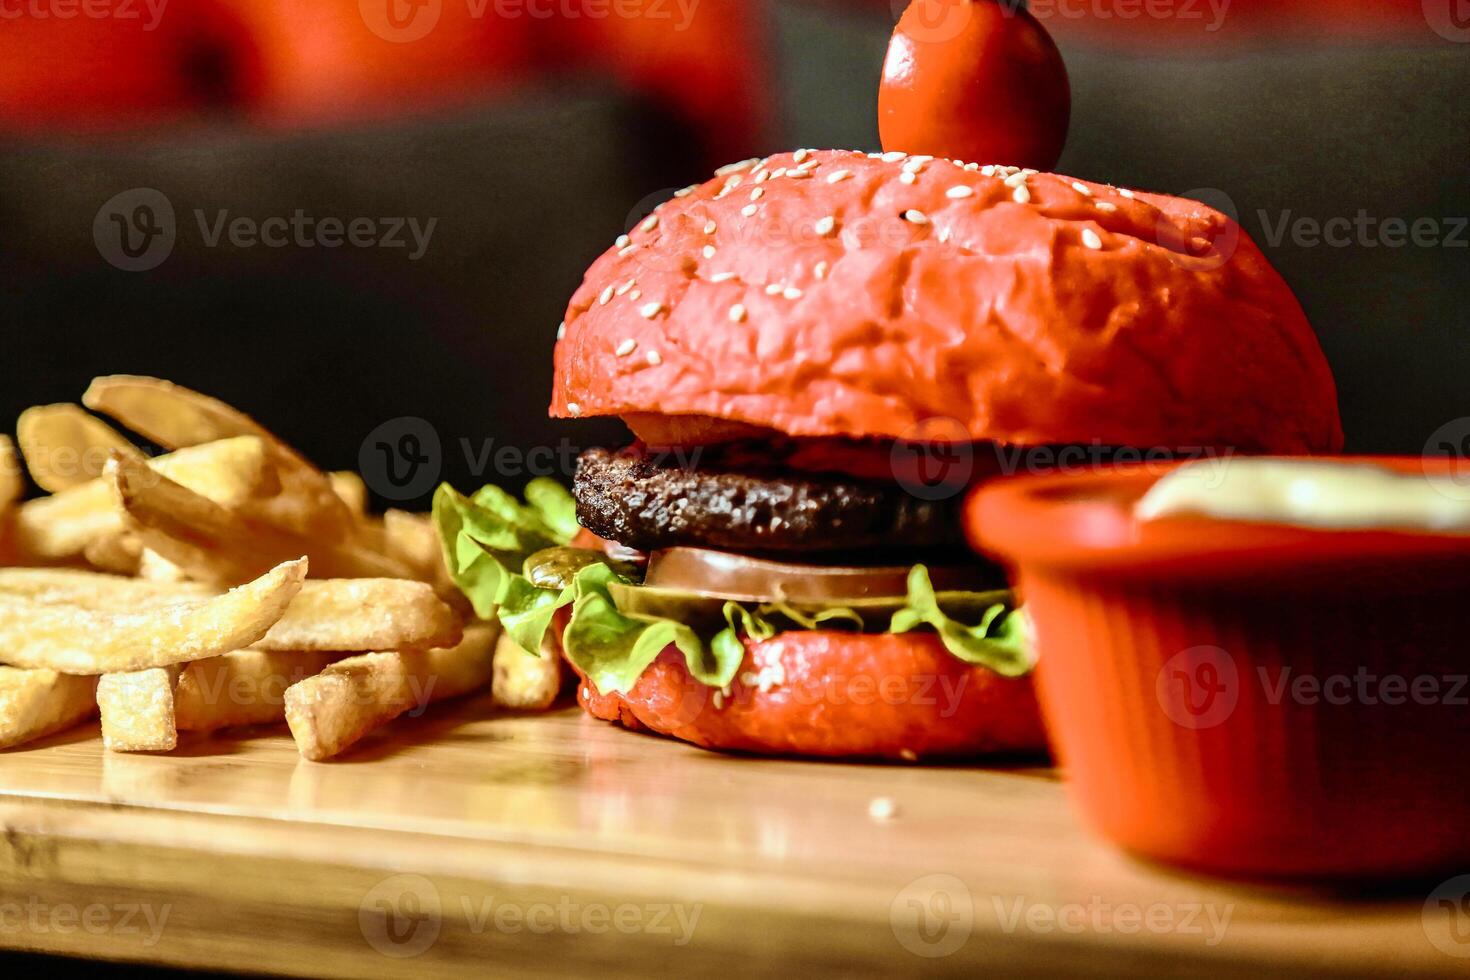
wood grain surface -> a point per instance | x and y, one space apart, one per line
467 843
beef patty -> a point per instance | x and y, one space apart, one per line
649 501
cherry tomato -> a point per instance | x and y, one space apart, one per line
974 80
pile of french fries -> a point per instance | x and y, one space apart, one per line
224 583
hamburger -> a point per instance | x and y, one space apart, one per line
818 354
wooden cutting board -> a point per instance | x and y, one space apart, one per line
468 844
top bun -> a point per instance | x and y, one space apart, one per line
847 294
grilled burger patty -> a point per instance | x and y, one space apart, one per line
649 502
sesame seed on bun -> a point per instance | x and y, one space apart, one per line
860 295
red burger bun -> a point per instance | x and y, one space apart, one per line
837 695
826 294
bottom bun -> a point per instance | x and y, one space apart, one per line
835 694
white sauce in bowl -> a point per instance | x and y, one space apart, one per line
1309 493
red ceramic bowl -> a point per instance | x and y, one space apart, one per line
1247 699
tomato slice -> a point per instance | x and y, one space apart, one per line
725 575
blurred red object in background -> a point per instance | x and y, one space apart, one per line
1215 23
317 62
706 60
62 67
328 61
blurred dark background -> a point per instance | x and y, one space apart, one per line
520 146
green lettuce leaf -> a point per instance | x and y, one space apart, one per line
727 644
817 620
999 642
488 539
526 612
486 536
556 507
614 650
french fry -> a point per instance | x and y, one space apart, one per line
96 591
365 614
209 542
37 703
60 527
524 682
412 539
215 544
230 473
331 712
326 616
119 553
12 485
351 490
176 417
65 447
137 710
156 568
12 488
75 640
247 687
